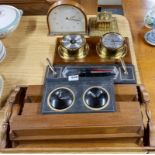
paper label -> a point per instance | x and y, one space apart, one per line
73 78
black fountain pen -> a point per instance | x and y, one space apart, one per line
96 72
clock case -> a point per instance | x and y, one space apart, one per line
71 3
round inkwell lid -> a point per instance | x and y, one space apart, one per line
73 42
9 17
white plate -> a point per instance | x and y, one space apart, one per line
148 38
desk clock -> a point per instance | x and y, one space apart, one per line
66 17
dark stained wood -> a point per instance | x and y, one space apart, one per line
40 7
92 57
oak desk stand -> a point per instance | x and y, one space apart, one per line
27 52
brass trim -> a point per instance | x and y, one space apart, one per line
104 52
73 55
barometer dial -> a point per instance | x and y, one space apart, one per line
112 40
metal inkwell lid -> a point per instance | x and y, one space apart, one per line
9 18
73 42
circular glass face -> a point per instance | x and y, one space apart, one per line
60 99
66 19
112 40
72 42
96 98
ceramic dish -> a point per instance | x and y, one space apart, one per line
9 19
149 38
149 18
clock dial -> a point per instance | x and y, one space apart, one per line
73 42
65 19
112 40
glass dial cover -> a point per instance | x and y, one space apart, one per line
112 40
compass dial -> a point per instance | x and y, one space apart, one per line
112 40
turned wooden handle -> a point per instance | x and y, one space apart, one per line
7 115
145 100
147 118
145 94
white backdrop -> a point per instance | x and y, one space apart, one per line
109 2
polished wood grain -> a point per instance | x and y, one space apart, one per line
135 12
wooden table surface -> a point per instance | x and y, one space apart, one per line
135 11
